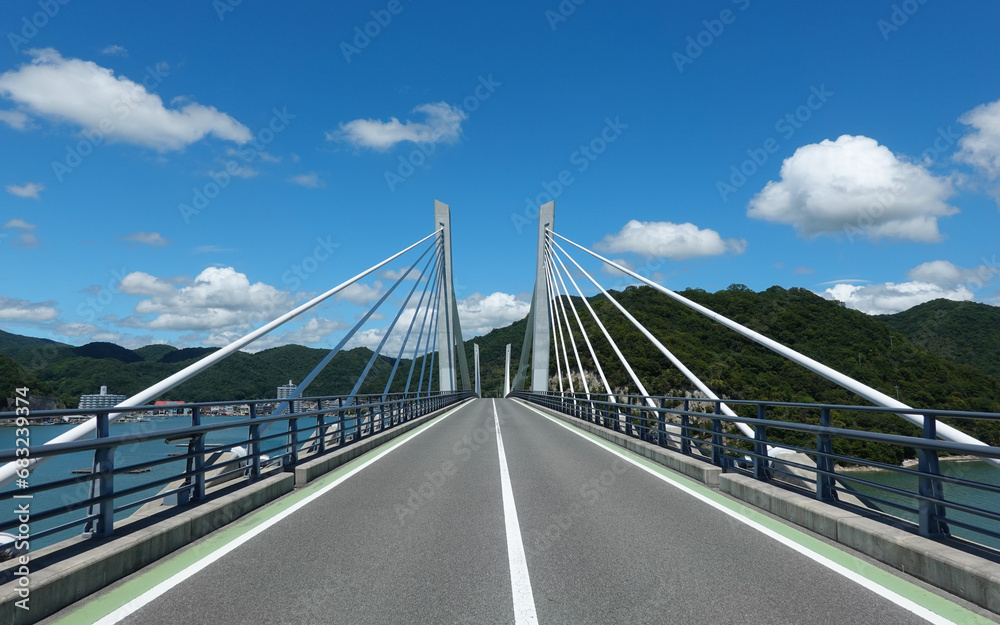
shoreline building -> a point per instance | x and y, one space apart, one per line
285 391
100 400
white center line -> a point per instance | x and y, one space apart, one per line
520 584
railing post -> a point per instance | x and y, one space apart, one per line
661 423
760 459
103 483
686 430
824 463
931 514
717 455
340 421
254 443
198 448
292 442
321 427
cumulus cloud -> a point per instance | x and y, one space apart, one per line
478 314
360 294
663 239
313 331
310 180
30 189
76 329
90 96
981 146
481 313
218 299
23 310
147 238
857 186
15 119
115 50
939 279
443 125
25 232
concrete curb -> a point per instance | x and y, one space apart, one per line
75 568
951 566
690 466
309 470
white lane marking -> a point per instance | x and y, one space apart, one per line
167 584
520 584
861 580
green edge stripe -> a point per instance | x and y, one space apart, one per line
933 602
158 572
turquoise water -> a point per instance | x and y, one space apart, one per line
978 471
61 467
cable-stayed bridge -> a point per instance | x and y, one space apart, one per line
566 501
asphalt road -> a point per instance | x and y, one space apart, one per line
421 536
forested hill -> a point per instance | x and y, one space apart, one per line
856 344
964 332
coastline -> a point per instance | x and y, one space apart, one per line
909 463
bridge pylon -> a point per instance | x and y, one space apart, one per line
449 337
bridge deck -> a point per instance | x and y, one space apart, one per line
419 536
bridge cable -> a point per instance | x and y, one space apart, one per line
583 331
747 430
439 260
607 335
572 340
558 340
280 410
555 348
9 471
392 326
943 430
420 336
432 344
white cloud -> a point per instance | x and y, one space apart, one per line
147 238
88 95
76 329
939 279
219 299
211 249
444 124
889 298
115 50
663 239
15 119
313 331
479 314
981 147
360 294
855 185
23 310
310 180
30 189
26 232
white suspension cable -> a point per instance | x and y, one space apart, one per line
747 430
944 431
607 335
554 310
9 470
569 330
555 344
583 331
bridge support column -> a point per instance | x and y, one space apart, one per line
540 330
449 327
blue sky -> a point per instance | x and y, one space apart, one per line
868 135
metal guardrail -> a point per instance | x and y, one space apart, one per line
337 421
672 424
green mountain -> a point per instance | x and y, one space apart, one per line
964 332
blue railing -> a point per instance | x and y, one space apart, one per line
670 422
261 443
